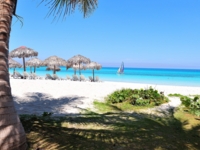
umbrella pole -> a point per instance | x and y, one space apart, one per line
14 71
31 69
93 74
79 70
74 71
34 68
54 70
24 64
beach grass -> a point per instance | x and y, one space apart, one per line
117 130
104 107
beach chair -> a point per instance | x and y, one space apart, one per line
90 79
17 75
97 79
35 76
82 78
68 78
55 76
49 77
26 75
75 78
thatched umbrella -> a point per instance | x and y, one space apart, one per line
23 52
34 62
13 64
78 60
94 65
54 62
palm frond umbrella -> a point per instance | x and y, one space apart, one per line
34 62
76 67
94 65
54 62
13 64
78 60
23 52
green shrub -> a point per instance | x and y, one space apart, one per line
139 97
193 104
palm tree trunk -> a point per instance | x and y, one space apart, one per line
12 135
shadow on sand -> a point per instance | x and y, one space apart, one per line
37 103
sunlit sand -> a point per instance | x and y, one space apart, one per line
72 97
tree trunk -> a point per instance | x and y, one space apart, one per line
12 135
34 68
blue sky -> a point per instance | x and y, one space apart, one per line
142 33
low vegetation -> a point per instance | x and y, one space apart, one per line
137 97
192 104
175 95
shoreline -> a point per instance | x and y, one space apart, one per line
72 97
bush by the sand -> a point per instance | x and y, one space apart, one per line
193 104
138 97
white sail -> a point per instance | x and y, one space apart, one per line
121 69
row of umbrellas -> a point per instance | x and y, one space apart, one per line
77 62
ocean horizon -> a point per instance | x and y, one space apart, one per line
156 76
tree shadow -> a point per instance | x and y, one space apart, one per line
37 103
110 131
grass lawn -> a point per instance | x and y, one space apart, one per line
113 129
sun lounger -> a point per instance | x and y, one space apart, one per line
49 77
55 76
17 75
97 79
90 78
75 78
68 78
82 78
35 76
26 75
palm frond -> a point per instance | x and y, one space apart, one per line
58 8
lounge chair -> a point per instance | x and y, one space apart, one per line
55 76
82 78
75 78
49 77
26 75
35 76
17 75
90 79
68 78
97 79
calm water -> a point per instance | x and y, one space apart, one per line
184 77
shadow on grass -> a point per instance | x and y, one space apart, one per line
109 131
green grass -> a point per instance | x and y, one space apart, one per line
175 95
104 107
112 130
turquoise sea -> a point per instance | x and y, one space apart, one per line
184 77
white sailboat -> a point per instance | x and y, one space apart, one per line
121 69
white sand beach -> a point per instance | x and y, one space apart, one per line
71 97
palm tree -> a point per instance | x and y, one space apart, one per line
12 135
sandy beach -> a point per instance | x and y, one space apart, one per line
71 97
